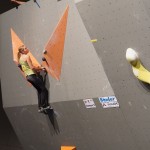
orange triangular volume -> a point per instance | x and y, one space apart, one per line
16 43
68 148
55 47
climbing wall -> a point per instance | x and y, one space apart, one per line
82 75
119 25
89 70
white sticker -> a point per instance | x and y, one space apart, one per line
89 103
108 102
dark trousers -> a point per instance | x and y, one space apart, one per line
38 83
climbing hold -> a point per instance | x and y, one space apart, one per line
131 56
44 51
43 59
68 148
55 47
94 40
138 69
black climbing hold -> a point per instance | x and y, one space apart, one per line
43 59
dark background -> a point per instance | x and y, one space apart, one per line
6 5
8 138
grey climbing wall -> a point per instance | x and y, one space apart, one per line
81 69
117 25
82 75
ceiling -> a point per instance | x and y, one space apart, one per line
6 5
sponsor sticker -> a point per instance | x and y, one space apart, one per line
108 102
89 103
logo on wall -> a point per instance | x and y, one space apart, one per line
108 102
89 103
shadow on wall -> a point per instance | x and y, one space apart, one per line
52 122
51 114
1 107
146 86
